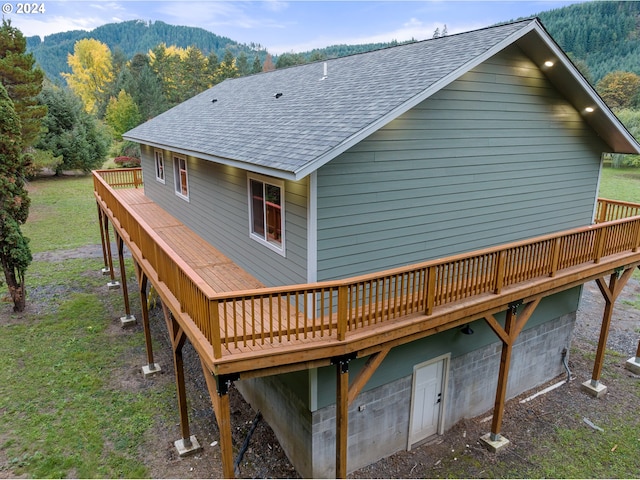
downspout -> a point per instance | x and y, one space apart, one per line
566 364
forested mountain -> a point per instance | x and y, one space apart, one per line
135 36
603 36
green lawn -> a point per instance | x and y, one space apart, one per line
63 213
64 411
620 184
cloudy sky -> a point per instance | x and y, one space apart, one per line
281 26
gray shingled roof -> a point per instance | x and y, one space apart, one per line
315 119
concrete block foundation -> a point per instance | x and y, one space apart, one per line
494 444
595 389
189 447
633 364
151 369
379 417
127 321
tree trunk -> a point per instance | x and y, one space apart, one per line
16 288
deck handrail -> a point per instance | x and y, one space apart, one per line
334 309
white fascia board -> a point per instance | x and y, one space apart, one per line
408 105
271 172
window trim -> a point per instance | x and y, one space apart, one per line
158 156
280 249
177 183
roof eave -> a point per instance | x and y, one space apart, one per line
272 172
578 91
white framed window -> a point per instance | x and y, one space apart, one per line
159 159
266 211
181 176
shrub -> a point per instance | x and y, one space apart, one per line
127 162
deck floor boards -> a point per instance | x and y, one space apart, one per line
216 269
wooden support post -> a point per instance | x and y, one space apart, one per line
610 294
342 414
105 269
128 319
107 240
151 367
219 394
503 376
188 443
512 328
604 329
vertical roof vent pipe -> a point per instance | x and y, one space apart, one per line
324 71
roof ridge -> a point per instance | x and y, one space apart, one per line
399 45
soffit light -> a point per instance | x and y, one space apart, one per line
589 109
548 63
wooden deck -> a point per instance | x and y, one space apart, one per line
220 273
245 328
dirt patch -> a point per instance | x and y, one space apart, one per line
523 424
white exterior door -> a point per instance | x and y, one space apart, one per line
426 400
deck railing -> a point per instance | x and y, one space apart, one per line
122 177
608 210
334 309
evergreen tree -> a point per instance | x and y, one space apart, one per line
193 74
289 60
144 86
15 254
317 56
165 63
72 133
118 66
22 81
256 67
242 62
227 68
212 66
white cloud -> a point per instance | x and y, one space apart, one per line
275 5
62 16
107 6
42 26
413 28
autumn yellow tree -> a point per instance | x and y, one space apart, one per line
91 72
619 89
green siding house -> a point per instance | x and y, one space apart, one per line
383 159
